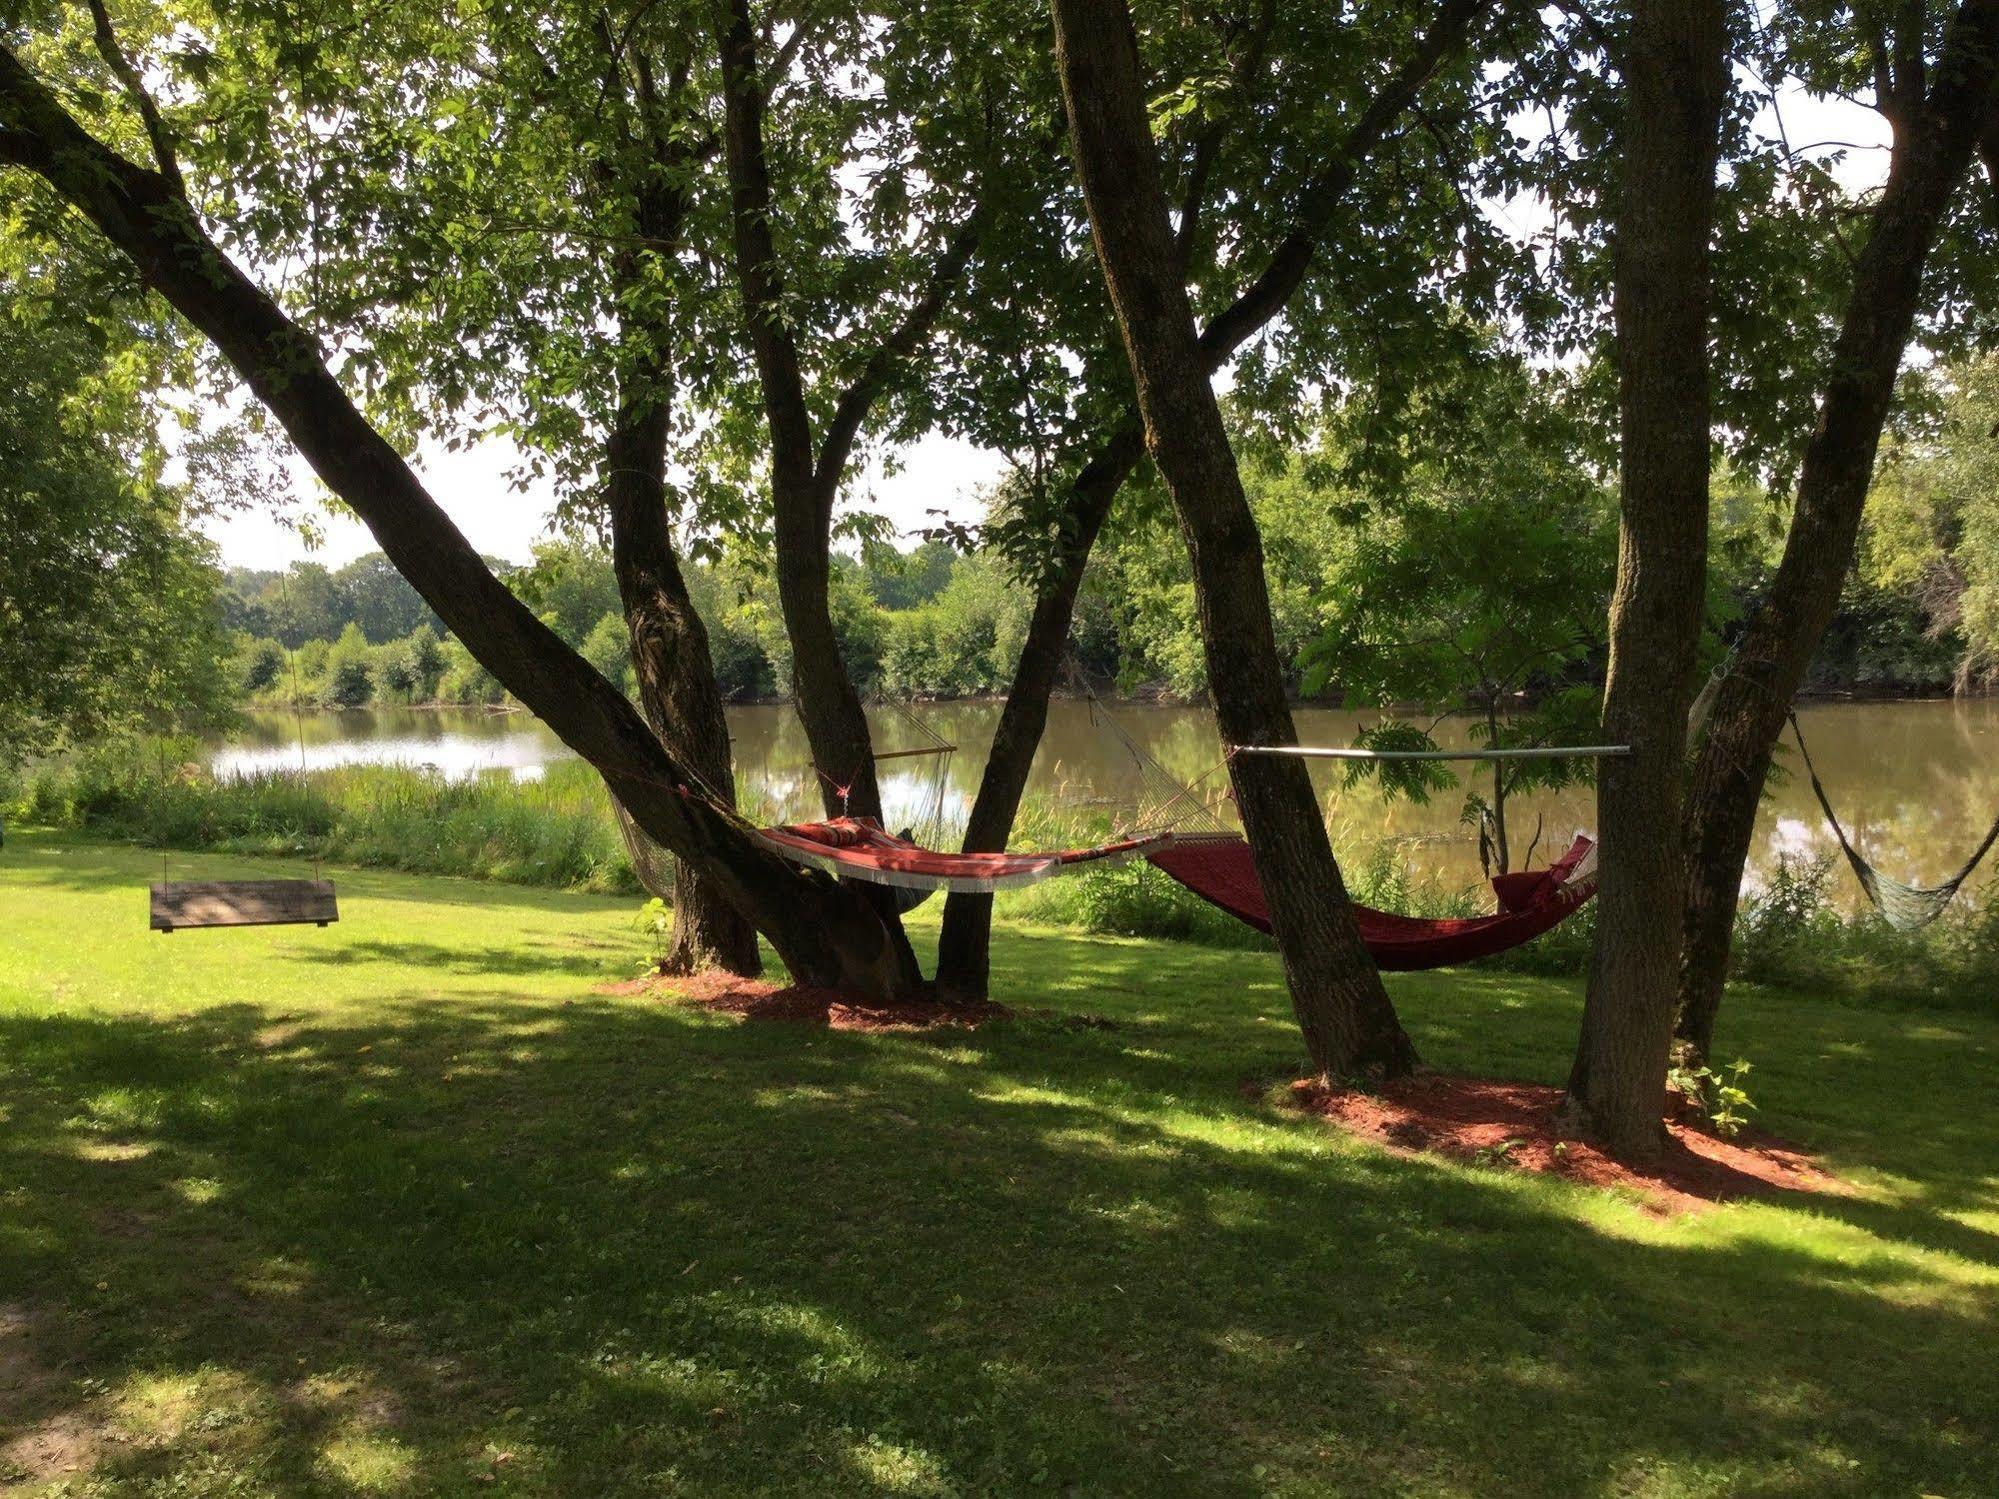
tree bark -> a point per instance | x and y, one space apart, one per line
823 934
964 945
1344 1012
1673 82
1934 147
670 653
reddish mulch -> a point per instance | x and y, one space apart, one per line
1463 1117
755 1000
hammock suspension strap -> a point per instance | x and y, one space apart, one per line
1907 908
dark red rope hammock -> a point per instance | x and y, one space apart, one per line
860 848
1219 870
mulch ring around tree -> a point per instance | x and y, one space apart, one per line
1516 1126
798 1004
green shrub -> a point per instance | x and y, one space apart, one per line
556 830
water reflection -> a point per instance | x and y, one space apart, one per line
1916 783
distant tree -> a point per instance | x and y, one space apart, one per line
395 679
349 682
427 663
241 615
1480 590
308 604
379 600
263 665
608 647
571 585
902 580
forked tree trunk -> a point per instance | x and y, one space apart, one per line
670 655
1934 145
1341 1006
1673 81
823 934
805 472
964 946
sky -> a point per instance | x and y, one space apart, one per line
936 473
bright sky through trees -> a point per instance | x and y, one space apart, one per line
937 473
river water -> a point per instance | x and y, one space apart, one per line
1916 783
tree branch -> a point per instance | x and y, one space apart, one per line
771 341
1285 270
854 403
1209 144
787 54
135 89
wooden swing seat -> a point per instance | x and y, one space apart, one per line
206 903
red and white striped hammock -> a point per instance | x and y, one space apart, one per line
860 848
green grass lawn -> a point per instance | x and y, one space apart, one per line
409 1206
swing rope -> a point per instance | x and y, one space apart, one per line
1907 908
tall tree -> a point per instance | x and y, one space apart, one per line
1940 107
671 656
1674 75
1342 1008
807 460
1224 153
823 933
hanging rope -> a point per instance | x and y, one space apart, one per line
1160 791
928 814
1907 908
298 707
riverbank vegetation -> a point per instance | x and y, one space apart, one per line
415 1205
555 831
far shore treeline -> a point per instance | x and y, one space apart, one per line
937 621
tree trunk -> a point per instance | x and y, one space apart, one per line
823 934
670 654
1341 1006
1673 82
1933 151
964 946
671 658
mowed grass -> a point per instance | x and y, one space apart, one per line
410 1206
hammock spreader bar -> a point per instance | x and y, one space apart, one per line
1532 752
1906 908
1221 871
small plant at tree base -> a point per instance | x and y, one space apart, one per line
1496 1155
1719 1097
655 920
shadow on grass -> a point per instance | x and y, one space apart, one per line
73 862
514 959
634 1247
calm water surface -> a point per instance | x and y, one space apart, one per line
1916 783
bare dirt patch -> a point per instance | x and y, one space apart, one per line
801 1005
1516 1125
39 1441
